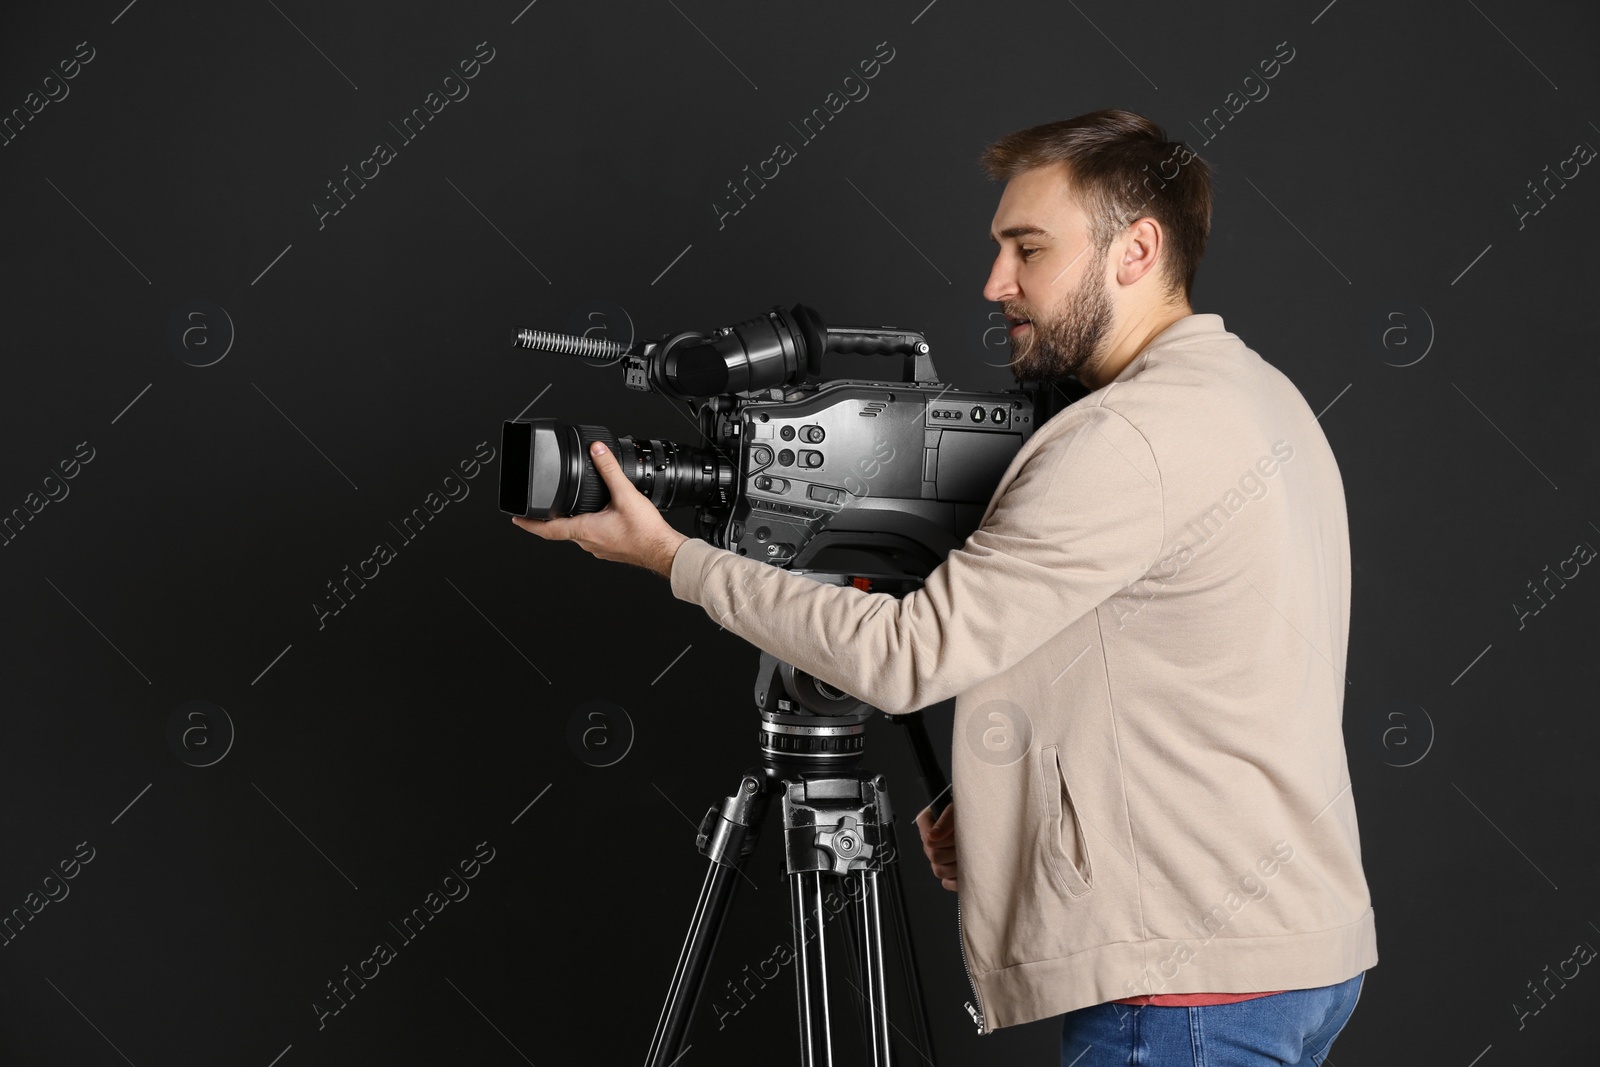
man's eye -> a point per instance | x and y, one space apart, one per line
1026 252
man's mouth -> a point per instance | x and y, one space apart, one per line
1018 326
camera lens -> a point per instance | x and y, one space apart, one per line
548 472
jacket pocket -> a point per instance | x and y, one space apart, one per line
1065 847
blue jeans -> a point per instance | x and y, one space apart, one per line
1293 1027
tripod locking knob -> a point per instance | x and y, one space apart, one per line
846 845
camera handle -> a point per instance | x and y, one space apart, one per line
886 341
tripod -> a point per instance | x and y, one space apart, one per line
838 833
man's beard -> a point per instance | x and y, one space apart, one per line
1070 339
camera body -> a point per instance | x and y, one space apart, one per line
863 461
847 476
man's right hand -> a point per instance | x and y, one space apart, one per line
939 844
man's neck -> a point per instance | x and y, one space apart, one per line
1134 338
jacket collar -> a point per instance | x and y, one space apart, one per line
1181 332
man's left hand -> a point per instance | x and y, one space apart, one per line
630 529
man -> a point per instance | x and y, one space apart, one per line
1146 638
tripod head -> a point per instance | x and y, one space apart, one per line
808 725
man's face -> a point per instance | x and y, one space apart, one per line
1048 279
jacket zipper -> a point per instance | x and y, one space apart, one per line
975 1012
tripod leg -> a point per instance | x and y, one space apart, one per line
727 838
852 918
908 956
811 969
683 995
877 993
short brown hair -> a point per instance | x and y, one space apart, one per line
1119 164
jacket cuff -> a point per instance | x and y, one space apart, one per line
689 564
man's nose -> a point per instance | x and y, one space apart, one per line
1002 282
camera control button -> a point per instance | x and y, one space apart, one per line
827 494
977 414
785 458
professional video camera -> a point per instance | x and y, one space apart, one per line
795 470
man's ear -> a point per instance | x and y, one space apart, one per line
1139 250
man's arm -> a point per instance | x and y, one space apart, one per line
1081 520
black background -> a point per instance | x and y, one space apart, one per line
370 356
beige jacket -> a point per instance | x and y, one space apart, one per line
1146 640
